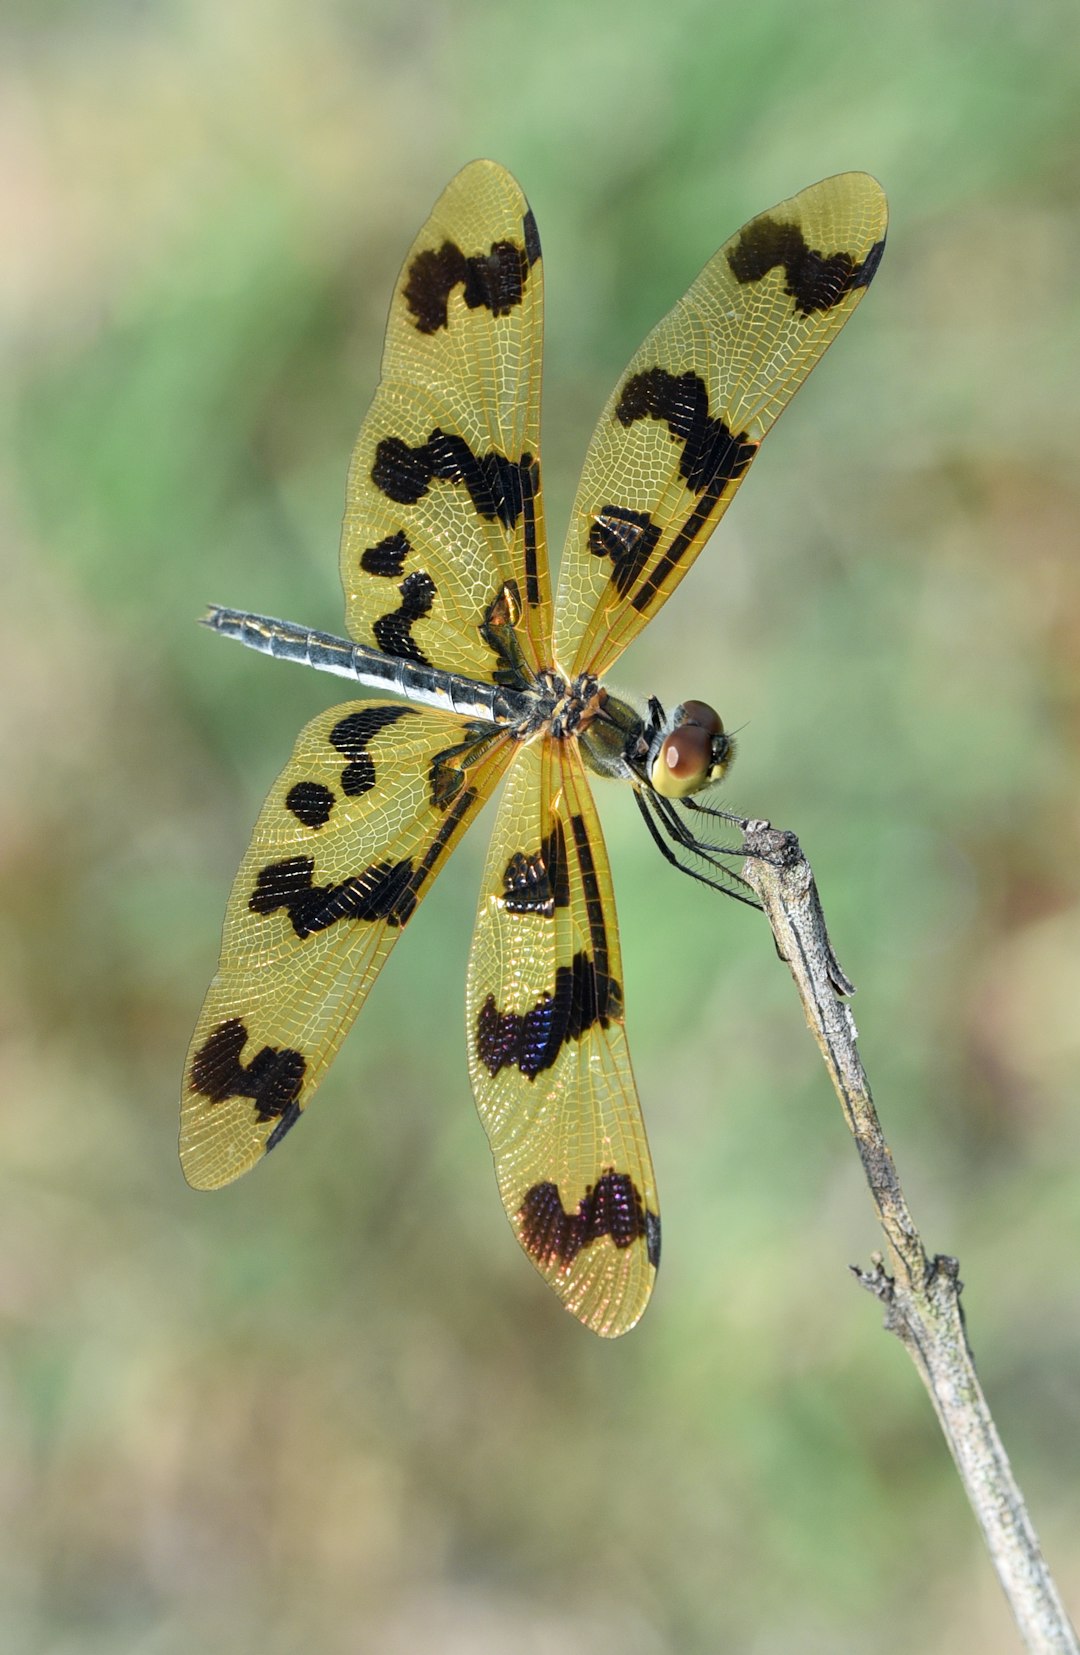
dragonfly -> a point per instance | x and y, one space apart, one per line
449 613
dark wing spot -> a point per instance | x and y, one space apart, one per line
382 892
611 1207
628 538
432 275
351 736
496 281
393 632
288 1120
532 237
537 882
816 281
402 473
594 906
388 557
498 487
386 891
652 1238
532 1040
272 1079
493 281
713 459
712 456
865 272
311 803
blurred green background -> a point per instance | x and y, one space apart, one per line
332 1408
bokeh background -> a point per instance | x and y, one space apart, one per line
332 1408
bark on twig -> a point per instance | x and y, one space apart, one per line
921 1295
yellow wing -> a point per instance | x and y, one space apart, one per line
443 530
547 1047
685 420
353 833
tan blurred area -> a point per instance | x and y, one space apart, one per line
331 1408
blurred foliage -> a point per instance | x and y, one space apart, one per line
331 1408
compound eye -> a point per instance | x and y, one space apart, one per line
683 762
699 712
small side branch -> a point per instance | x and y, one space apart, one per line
921 1295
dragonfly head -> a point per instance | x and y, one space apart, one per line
688 751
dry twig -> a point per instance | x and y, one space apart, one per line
921 1295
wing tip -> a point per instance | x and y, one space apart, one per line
485 165
207 1163
864 183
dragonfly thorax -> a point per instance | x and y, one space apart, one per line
570 706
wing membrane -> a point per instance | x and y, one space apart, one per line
443 517
354 831
686 419
547 1047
